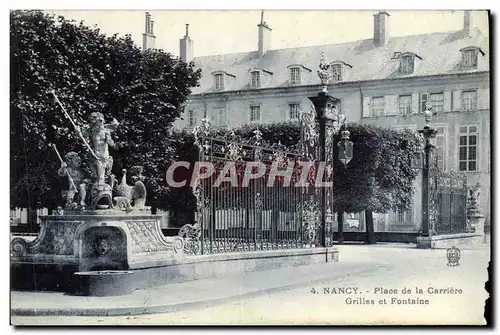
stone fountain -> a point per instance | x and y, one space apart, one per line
104 230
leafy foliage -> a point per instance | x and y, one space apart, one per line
90 72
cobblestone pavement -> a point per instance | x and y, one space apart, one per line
451 295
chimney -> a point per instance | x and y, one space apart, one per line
186 47
380 28
264 36
148 39
468 23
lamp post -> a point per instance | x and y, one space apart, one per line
428 133
329 121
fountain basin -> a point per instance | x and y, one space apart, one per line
104 283
82 242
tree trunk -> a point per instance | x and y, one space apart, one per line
50 208
370 234
340 223
32 220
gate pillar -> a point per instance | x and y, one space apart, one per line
319 126
429 176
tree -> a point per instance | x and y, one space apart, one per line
380 176
90 72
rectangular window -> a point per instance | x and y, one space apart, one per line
406 64
254 113
404 104
295 76
469 101
424 98
467 148
404 218
337 72
219 82
255 79
437 102
191 118
440 147
293 111
377 106
412 127
469 58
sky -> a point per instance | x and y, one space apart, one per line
222 32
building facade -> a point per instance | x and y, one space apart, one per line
385 80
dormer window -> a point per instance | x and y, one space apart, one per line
259 77
407 62
338 69
298 73
222 80
295 76
219 81
255 81
470 57
337 72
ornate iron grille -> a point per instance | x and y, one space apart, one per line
447 200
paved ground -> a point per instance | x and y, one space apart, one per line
361 268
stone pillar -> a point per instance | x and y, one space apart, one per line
326 106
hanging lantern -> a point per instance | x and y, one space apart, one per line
345 148
416 161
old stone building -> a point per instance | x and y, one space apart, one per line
386 80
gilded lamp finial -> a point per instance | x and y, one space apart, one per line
428 113
324 75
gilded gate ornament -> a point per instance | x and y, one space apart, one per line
323 73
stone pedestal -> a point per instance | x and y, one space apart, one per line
462 240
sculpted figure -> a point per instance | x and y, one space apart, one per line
323 73
71 167
100 139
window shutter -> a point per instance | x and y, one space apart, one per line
226 117
424 98
457 101
366 106
390 106
266 115
447 102
414 103
483 99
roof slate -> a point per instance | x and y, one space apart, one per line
440 53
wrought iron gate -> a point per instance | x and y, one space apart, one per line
448 201
238 213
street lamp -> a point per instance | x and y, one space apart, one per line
416 161
345 148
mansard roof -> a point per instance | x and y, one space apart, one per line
440 53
